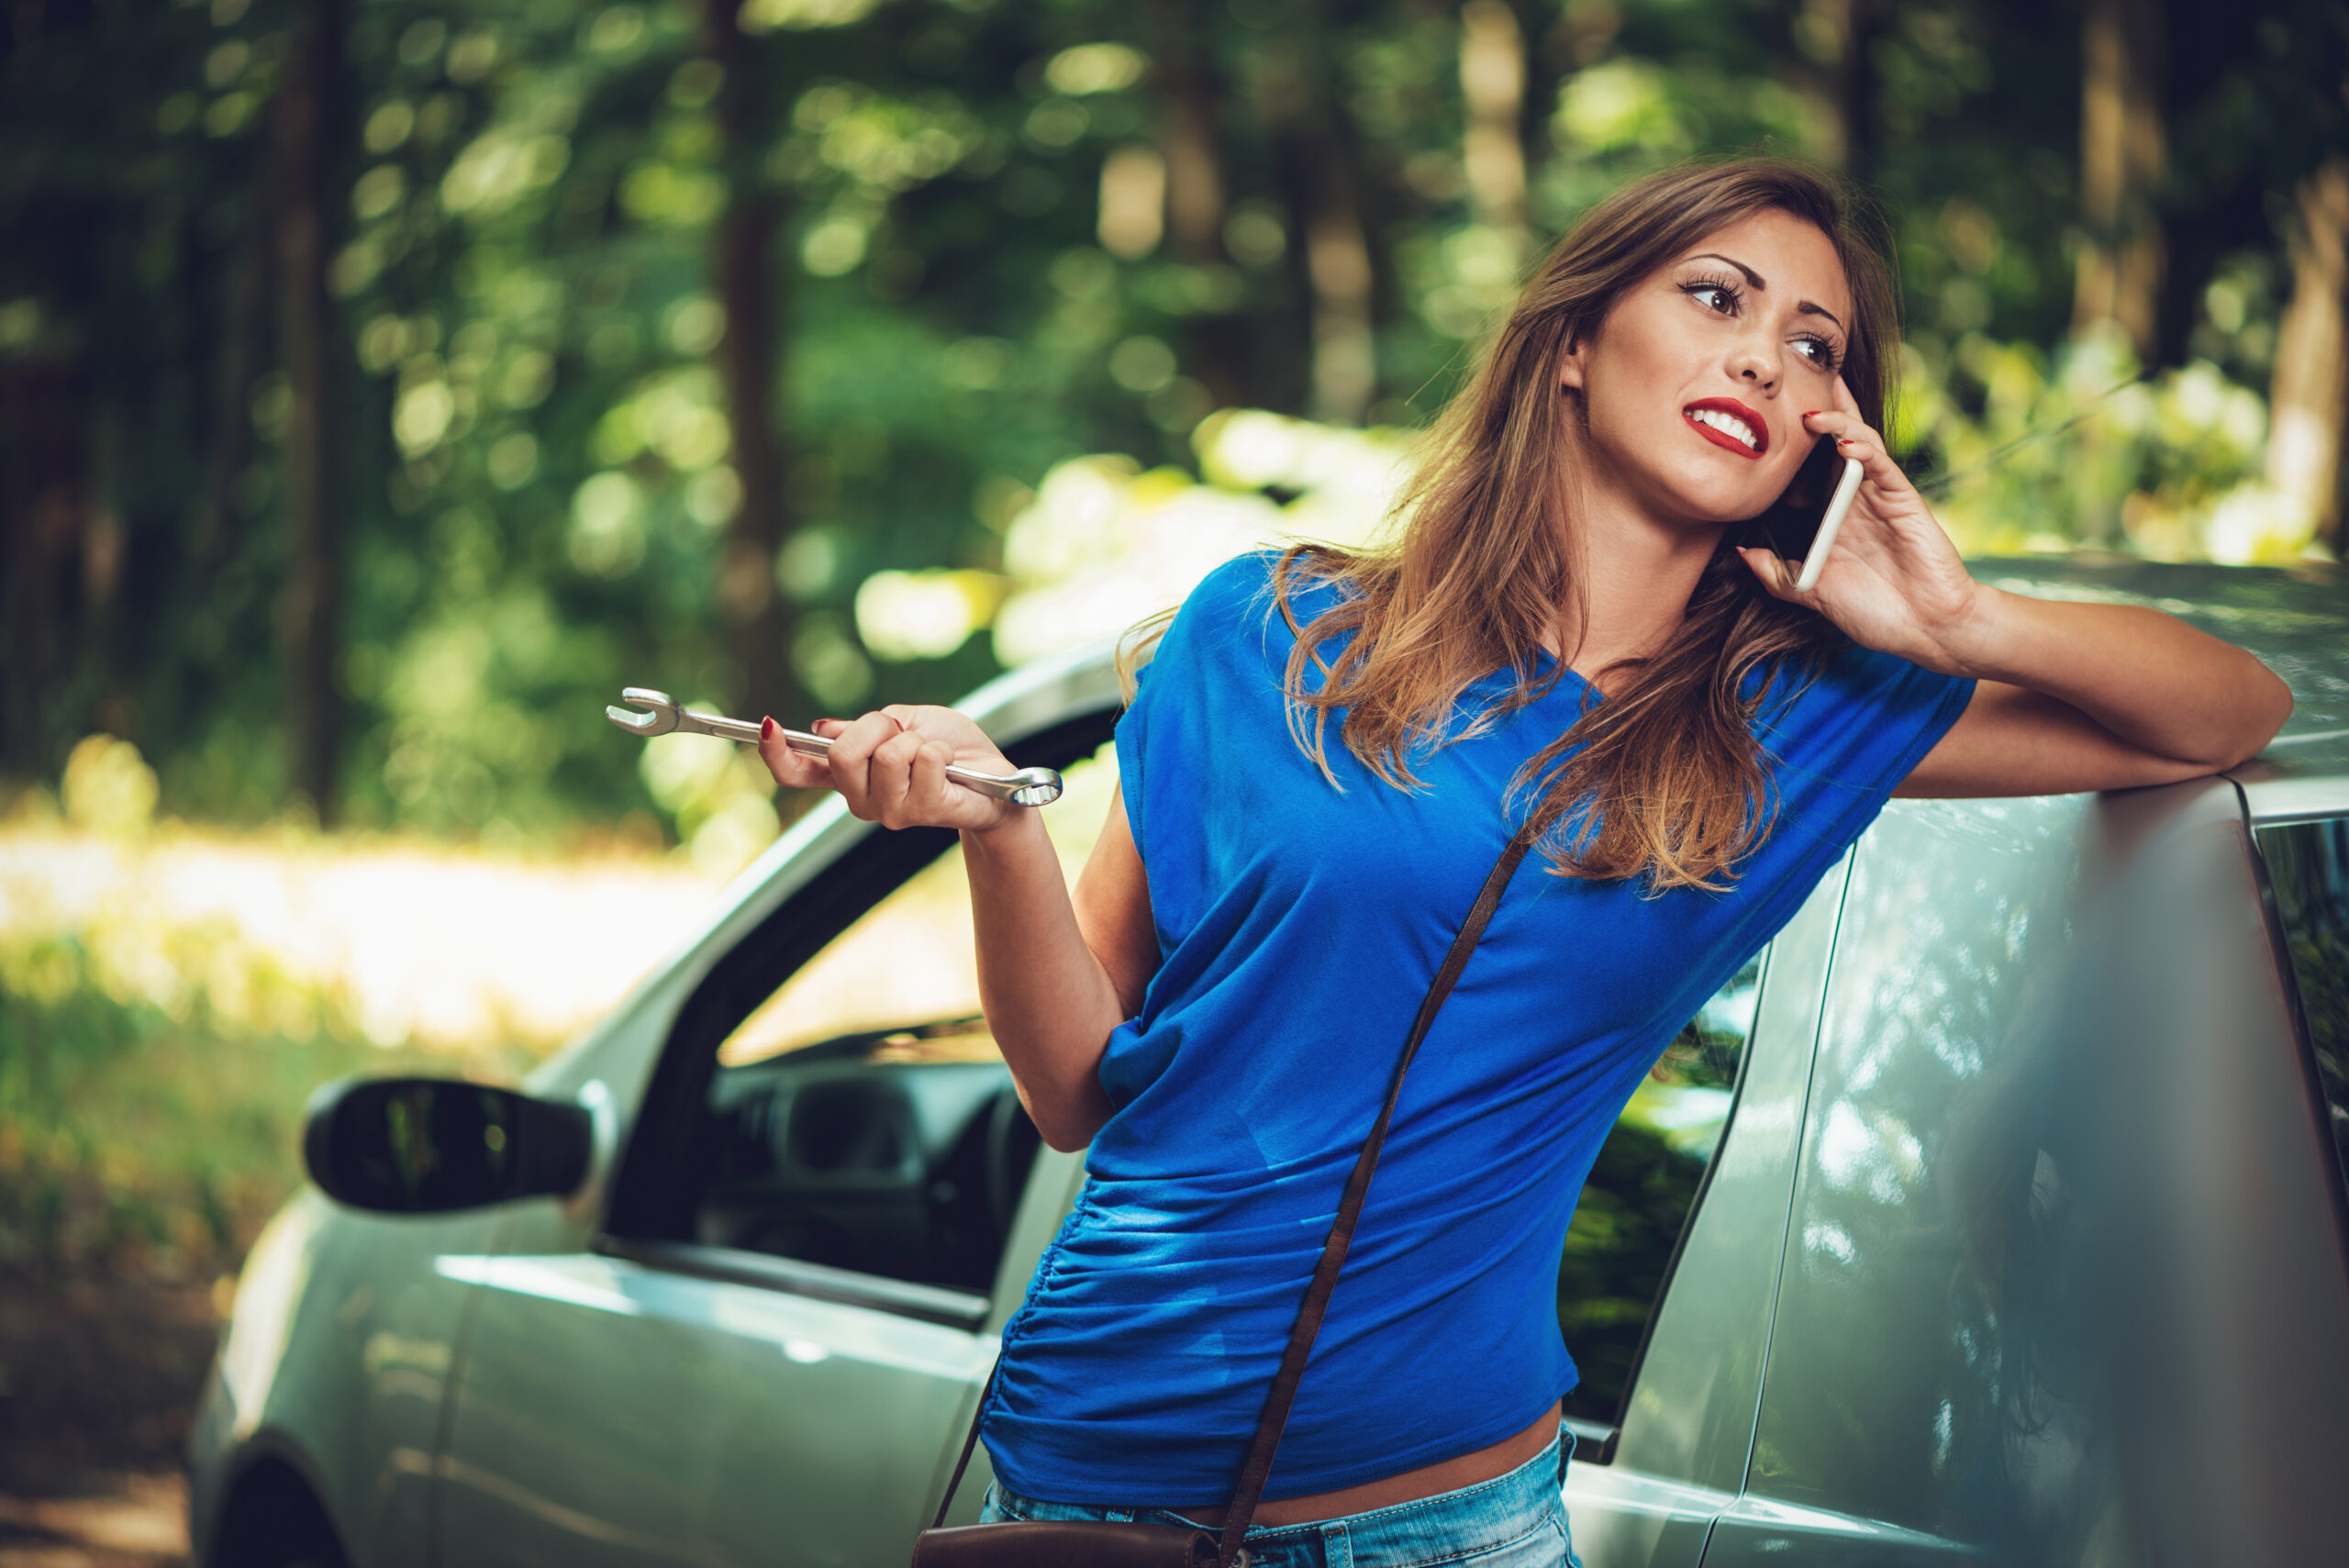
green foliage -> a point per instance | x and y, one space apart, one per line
152 1067
539 482
2037 453
150 1135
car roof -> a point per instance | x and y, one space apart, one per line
2296 618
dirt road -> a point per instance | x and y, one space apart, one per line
98 1378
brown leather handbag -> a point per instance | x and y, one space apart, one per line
1093 1544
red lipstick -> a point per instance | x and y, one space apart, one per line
1731 408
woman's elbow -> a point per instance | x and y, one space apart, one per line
2270 707
1067 1122
1065 1134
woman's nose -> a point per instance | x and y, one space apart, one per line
1756 361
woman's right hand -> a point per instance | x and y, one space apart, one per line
890 766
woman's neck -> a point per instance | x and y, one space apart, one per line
1637 573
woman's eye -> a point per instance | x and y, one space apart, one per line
1713 296
1820 353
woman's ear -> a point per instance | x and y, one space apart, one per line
1570 366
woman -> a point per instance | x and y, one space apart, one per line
1570 627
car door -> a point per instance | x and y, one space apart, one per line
1665 1414
2062 1280
823 1217
1916 1285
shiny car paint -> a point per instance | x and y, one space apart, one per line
2024 1244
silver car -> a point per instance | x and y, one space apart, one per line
1996 1211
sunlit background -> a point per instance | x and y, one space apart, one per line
383 384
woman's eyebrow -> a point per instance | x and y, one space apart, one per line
1754 280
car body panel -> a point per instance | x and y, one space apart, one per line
722 1423
1621 1517
1691 1416
335 1364
2299 778
2063 1216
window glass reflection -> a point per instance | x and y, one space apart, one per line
1640 1193
2308 865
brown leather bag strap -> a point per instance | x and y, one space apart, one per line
970 1441
1259 1467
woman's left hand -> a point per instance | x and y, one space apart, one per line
1893 581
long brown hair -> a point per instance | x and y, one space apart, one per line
1664 778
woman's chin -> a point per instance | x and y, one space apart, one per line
1713 500
1713 512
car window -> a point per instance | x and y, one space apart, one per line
2308 865
859 1116
1641 1191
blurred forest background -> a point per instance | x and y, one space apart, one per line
383 384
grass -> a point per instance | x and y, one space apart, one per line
136 1140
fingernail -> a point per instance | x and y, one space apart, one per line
1812 413
766 729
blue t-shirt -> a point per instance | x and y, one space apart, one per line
1298 928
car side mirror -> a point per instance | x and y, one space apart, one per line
431 1145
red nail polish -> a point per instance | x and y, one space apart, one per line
766 729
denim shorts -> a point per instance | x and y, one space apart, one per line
1517 1521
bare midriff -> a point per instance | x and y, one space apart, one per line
1407 1486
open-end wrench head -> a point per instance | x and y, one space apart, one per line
660 721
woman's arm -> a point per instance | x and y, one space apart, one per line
1055 974
2072 697
2096 697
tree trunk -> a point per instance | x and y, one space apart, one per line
1492 88
242 357
1831 42
2123 156
1323 196
2309 399
1196 195
307 115
44 512
750 364
1336 254
1194 185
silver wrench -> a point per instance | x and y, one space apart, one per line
1029 787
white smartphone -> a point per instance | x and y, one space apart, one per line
1800 527
1813 560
